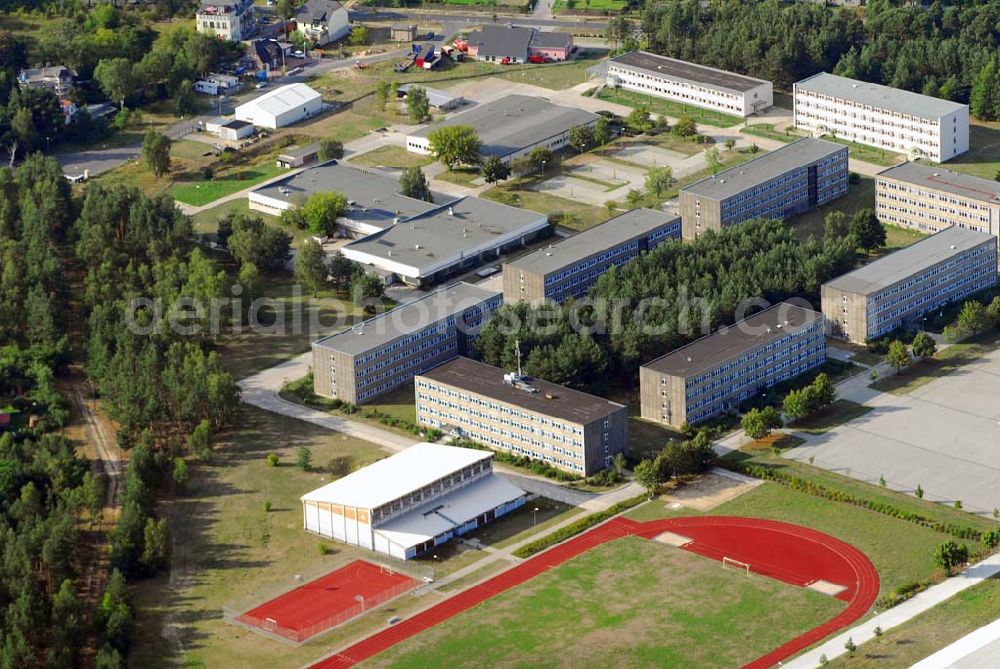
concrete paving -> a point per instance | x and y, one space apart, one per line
944 437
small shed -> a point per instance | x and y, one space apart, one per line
229 129
403 33
298 156
437 98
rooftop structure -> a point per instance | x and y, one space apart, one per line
900 288
440 305
720 371
581 433
511 126
384 352
431 245
56 78
930 199
373 198
281 106
881 116
902 264
516 44
792 179
877 95
731 341
323 21
570 266
439 99
411 501
691 83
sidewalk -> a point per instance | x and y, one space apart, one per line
900 614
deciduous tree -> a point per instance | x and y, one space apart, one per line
455 145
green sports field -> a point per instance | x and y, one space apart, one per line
631 602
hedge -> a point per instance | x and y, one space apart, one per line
574 528
538 467
819 490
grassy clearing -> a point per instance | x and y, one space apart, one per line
859 354
635 602
580 216
525 522
226 547
944 362
983 157
767 131
930 631
459 177
204 192
830 417
669 107
902 552
391 156
868 154
647 438
810 223
206 221
574 6
249 352
834 481
399 403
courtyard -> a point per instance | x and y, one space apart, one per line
942 436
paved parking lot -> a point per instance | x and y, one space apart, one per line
944 436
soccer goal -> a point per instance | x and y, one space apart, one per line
386 569
270 624
735 564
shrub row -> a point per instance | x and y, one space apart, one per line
819 490
428 433
564 533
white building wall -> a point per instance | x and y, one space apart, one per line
936 139
693 93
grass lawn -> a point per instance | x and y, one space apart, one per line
577 215
944 362
227 548
390 156
399 402
859 354
460 176
631 602
897 237
868 154
838 413
930 631
204 192
669 107
647 438
568 6
249 352
767 131
902 552
525 522
810 223
983 157
206 221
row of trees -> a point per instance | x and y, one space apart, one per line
945 49
44 486
697 287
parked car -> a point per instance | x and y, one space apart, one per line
299 54
261 85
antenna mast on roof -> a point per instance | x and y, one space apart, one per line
517 352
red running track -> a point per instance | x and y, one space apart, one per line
790 553
302 612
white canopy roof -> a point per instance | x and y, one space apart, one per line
280 100
457 508
397 475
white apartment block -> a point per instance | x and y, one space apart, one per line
887 118
690 83
231 20
931 199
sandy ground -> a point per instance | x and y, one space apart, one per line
710 491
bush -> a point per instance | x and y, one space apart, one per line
811 488
267 506
272 459
539 467
304 458
324 549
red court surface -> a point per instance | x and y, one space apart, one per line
328 601
790 553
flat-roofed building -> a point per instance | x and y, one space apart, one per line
566 428
382 353
374 200
897 290
511 126
429 247
931 199
795 178
690 83
718 372
412 501
881 116
568 268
